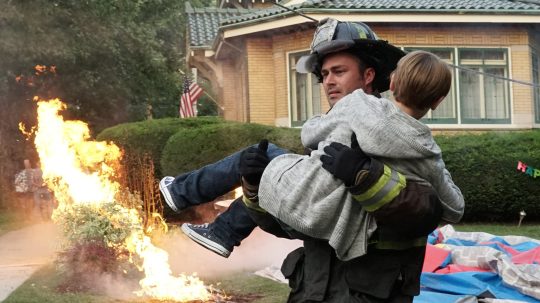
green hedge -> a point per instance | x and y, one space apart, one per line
192 148
151 136
483 166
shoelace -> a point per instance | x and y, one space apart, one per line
205 225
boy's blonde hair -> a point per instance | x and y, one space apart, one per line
421 79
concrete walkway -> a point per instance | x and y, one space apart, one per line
24 251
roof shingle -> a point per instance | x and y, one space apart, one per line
462 6
204 23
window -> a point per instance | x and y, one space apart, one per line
536 80
305 94
477 96
483 98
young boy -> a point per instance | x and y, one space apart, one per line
318 204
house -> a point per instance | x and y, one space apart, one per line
247 50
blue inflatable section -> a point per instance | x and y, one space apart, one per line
453 287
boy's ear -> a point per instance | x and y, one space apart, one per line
392 84
436 103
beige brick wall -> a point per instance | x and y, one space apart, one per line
522 95
261 85
233 89
454 35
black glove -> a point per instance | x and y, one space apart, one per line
345 162
253 161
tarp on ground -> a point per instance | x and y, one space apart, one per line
479 267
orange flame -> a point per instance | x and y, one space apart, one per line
40 68
26 133
81 171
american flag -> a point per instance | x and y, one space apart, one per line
188 101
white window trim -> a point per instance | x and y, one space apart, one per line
510 104
289 88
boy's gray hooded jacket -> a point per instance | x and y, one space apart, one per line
301 193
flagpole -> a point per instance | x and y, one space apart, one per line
214 100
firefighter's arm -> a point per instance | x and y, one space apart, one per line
376 185
409 209
372 183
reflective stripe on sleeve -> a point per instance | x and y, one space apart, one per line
383 191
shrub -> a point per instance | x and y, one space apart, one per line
94 245
484 167
192 148
150 136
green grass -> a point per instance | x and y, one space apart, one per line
251 284
10 220
527 230
254 289
41 288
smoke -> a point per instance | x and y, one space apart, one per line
35 244
258 251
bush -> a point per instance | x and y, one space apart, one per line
95 244
190 149
484 167
150 136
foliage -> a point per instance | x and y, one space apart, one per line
484 167
95 243
86 262
192 148
83 223
151 136
107 59
111 57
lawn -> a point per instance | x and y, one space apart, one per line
243 286
527 230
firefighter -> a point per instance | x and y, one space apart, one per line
390 271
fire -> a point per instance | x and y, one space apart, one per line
80 172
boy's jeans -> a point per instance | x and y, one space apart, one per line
211 181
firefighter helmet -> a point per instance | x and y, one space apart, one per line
357 38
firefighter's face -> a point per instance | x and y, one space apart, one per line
342 75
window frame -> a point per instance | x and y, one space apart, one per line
291 74
535 59
508 102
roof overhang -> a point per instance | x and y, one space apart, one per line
260 25
290 19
